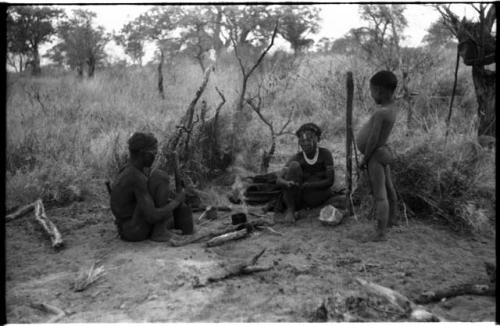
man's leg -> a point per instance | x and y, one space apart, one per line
392 197
158 186
291 195
183 219
377 180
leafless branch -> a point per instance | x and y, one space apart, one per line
282 131
235 45
221 103
490 17
479 10
263 54
257 110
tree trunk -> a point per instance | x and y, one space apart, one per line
485 84
91 66
240 121
36 62
79 70
160 75
266 157
217 41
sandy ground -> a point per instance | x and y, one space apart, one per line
153 282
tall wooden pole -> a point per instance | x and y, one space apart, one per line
348 142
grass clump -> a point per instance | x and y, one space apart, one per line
447 184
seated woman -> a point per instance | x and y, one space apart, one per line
308 175
143 206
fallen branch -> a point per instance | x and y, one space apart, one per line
48 225
407 307
270 229
201 235
227 237
51 309
218 208
454 291
239 269
20 212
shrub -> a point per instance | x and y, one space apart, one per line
443 183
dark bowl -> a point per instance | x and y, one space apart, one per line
238 218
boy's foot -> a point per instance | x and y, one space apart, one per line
375 237
394 223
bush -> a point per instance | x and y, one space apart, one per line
443 184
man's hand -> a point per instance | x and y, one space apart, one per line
363 165
290 184
181 196
305 185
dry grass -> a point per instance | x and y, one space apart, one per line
88 276
62 131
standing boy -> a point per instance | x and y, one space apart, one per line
372 142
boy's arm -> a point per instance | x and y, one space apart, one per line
328 177
373 138
146 206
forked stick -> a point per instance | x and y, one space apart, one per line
20 212
48 225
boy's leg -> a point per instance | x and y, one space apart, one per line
291 196
392 197
377 180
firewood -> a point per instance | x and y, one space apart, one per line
463 289
20 212
201 235
51 309
454 291
238 270
227 237
405 305
48 225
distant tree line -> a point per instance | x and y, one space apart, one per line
189 30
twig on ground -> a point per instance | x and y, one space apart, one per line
51 309
235 235
270 229
454 291
20 212
48 225
238 270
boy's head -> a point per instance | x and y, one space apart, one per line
143 146
382 86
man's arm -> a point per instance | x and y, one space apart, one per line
327 178
147 208
373 138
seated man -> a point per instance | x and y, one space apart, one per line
307 177
143 206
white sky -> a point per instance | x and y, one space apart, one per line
337 19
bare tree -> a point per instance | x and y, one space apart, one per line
238 123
